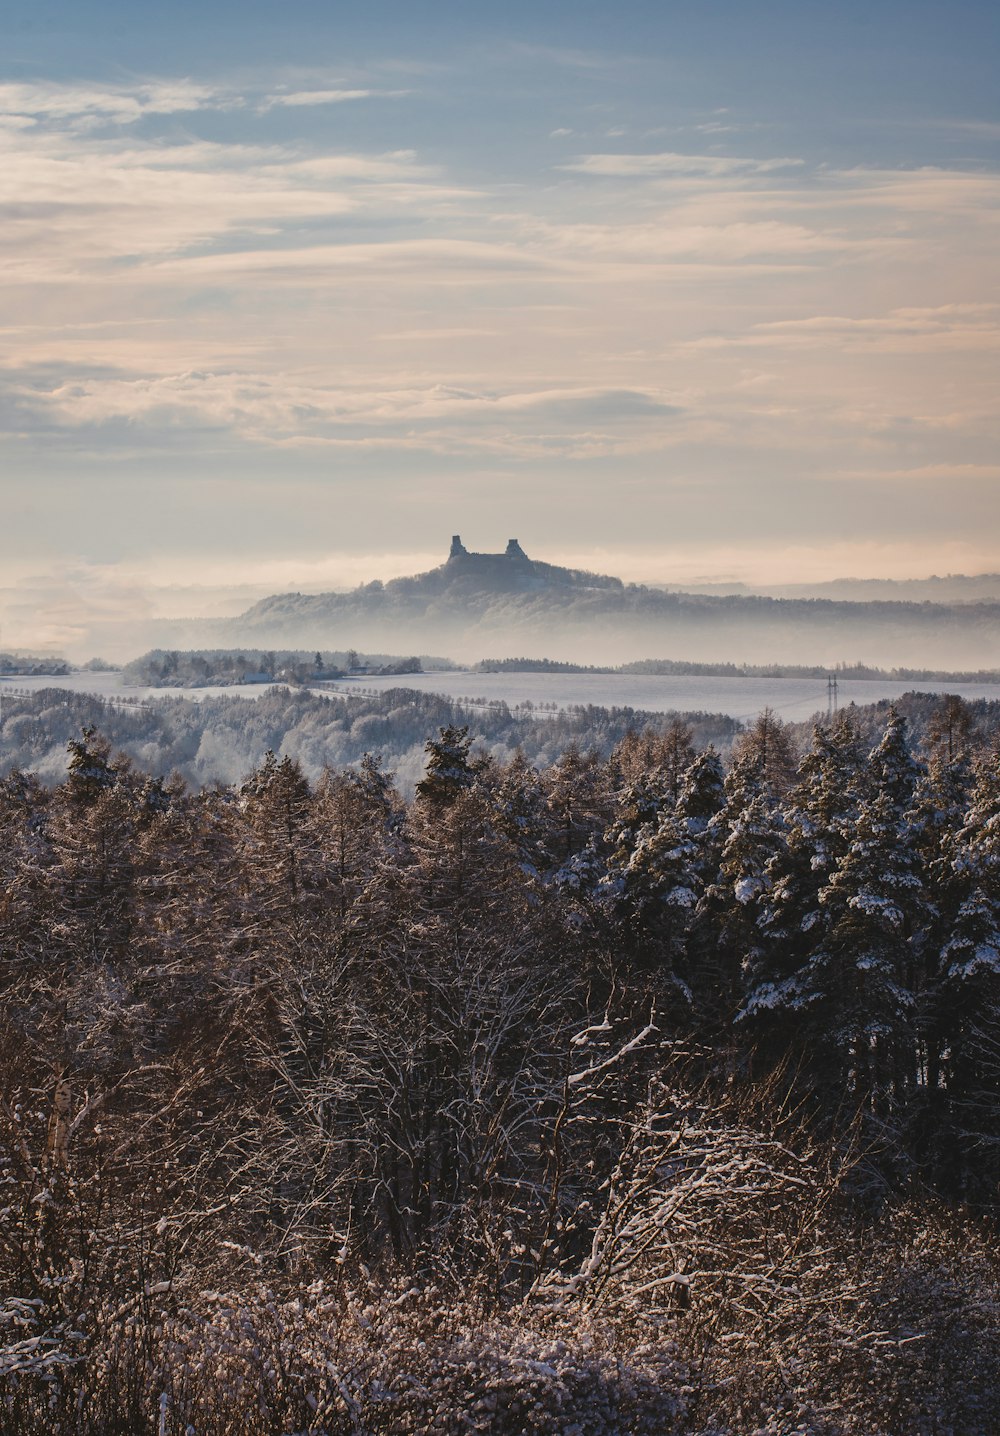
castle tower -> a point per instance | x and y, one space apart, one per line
457 547
514 549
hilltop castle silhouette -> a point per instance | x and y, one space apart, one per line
513 550
509 572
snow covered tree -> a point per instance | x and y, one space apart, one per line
964 1003
754 847
577 801
654 887
89 770
702 792
92 827
859 982
275 801
354 820
517 802
638 808
23 851
819 817
767 745
651 883
448 771
951 730
939 816
661 758
726 938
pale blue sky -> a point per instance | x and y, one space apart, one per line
290 294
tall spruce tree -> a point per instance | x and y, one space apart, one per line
859 981
819 817
727 935
939 816
447 772
965 1005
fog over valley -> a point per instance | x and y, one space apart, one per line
479 604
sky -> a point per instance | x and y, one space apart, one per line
679 291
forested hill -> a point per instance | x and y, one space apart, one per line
635 1095
596 619
224 738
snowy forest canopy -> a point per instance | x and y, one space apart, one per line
223 738
632 1093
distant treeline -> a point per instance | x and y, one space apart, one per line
26 664
807 670
536 665
173 668
681 667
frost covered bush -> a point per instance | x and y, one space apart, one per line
894 1331
729 1289
362 1360
932 1285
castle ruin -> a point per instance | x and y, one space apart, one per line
510 572
512 551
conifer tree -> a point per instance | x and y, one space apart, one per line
89 770
578 802
767 744
355 821
638 809
859 981
661 758
92 826
448 771
965 1001
727 938
276 801
702 792
653 886
649 887
517 802
819 817
939 817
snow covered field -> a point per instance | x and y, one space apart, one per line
794 699
110 685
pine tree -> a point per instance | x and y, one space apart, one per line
654 885
819 818
355 820
939 816
659 758
859 982
727 935
638 810
965 1001
702 792
767 744
275 801
89 770
24 853
649 888
448 771
950 733
93 824
578 802
517 802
